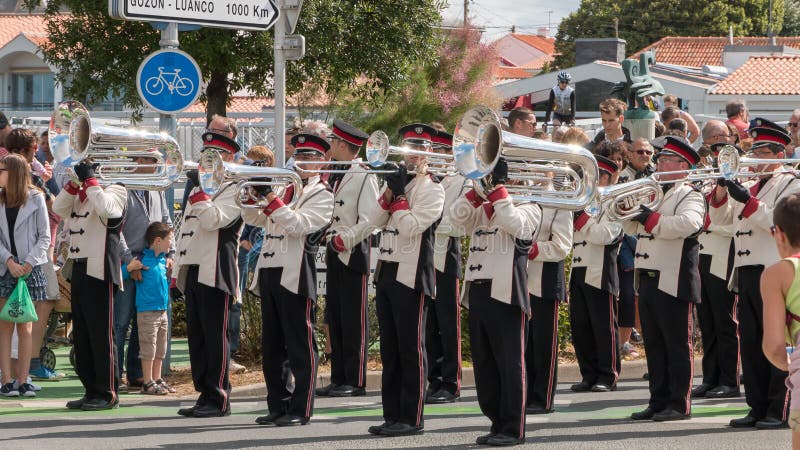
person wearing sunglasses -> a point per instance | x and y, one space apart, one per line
793 127
668 283
206 270
640 157
749 207
779 288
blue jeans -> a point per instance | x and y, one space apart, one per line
124 314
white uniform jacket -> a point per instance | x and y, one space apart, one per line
407 232
667 243
716 241
500 239
552 241
752 221
596 247
93 216
209 238
292 237
355 195
447 244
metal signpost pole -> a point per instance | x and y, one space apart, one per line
168 122
279 73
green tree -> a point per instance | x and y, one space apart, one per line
791 18
643 22
371 47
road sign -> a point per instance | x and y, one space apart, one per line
291 13
294 47
169 81
255 15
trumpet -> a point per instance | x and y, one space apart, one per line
731 164
550 174
213 172
624 201
74 138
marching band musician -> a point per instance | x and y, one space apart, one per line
552 242
443 325
207 274
594 287
749 207
496 293
409 206
347 262
668 283
285 279
716 313
95 216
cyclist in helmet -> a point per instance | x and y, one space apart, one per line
561 102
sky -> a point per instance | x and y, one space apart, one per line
497 16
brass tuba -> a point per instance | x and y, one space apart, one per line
74 138
550 174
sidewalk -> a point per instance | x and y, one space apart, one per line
54 394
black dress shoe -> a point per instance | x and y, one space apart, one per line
402 429
645 414
442 396
347 391
290 420
747 421
583 386
537 409
77 404
210 411
378 429
669 415
770 423
325 391
646 376
602 387
700 391
98 404
187 412
723 391
483 440
501 440
269 419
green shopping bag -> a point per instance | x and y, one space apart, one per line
19 306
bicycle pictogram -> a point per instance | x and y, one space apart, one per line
172 80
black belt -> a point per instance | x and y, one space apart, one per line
482 281
80 260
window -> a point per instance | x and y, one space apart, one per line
32 91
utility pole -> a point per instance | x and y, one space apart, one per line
549 13
770 35
616 27
466 13
168 122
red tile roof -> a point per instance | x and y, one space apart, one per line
244 104
11 25
699 51
763 75
541 43
511 73
538 64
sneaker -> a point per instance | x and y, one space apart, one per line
237 368
629 350
8 390
43 373
26 390
28 381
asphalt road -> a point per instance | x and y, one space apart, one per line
581 421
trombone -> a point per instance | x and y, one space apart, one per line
550 174
213 172
379 150
75 138
731 164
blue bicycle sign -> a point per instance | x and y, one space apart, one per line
169 81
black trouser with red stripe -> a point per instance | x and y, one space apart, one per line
595 334
346 312
717 316
93 333
668 341
497 334
207 310
541 353
764 384
287 332
443 335
401 318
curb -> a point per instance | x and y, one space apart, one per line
567 373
